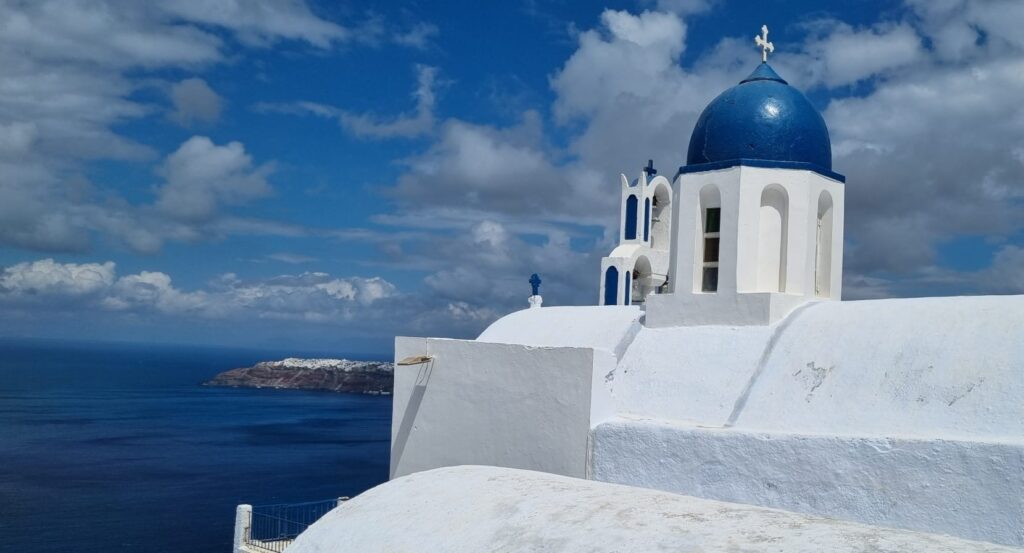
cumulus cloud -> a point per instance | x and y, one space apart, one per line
153 290
837 54
310 296
201 181
201 176
481 167
634 101
931 155
195 101
49 278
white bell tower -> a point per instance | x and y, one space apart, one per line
638 266
752 244
752 225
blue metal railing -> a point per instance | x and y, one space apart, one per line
274 527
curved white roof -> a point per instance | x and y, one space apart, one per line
626 250
476 509
606 327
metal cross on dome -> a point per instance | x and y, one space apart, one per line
762 42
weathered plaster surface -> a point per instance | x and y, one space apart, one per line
950 368
925 367
476 509
972 490
692 374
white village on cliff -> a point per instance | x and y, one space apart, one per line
721 397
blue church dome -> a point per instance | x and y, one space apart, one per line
762 121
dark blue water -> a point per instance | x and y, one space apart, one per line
116 448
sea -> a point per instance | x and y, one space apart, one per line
118 448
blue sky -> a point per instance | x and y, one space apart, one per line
327 175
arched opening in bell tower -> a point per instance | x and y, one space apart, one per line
630 220
661 217
643 280
611 286
823 247
772 238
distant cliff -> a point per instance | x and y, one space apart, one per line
336 375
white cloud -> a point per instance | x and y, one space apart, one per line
837 54
961 30
153 290
200 176
931 155
419 36
72 73
49 278
310 296
480 167
195 101
259 22
106 34
635 101
374 126
291 258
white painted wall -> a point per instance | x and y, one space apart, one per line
496 404
972 490
483 509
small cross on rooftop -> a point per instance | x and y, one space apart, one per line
762 42
650 170
535 284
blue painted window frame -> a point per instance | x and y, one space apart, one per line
647 220
632 205
611 286
628 294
